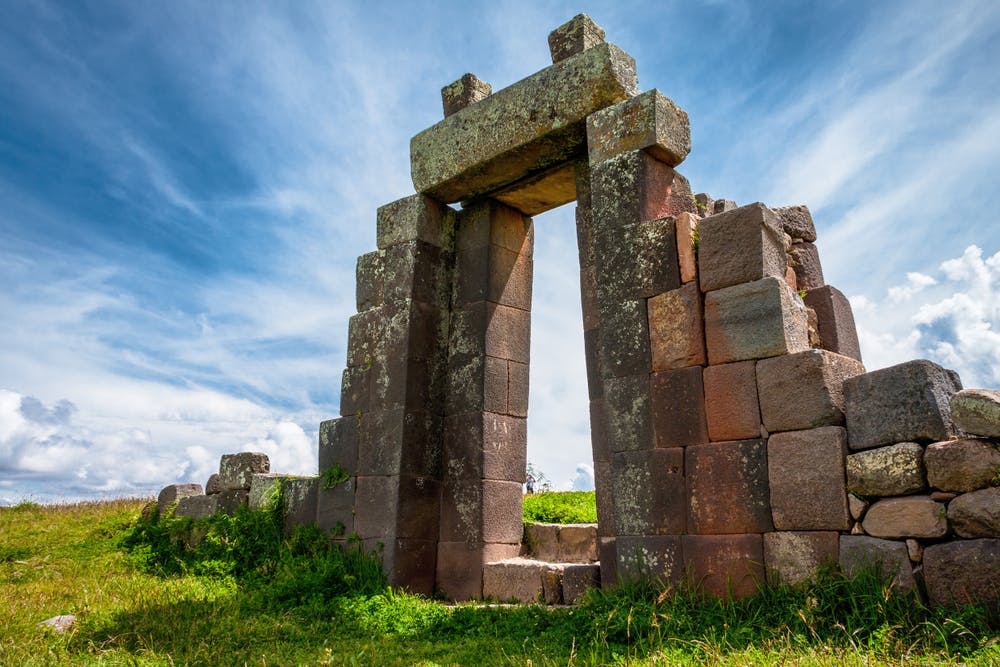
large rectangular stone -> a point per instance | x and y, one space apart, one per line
654 557
725 566
804 390
237 470
903 403
493 273
608 551
599 444
410 564
335 506
636 187
649 492
484 445
624 339
338 444
650 122
805 262
676 334
300 498
515 579
355 390
174 492
636 260
740 246
369 278
376 503
686 231
727 488
578 578
754 320
794 557
525 128
834 321
412 218
604 492
806 473
859 553
731 407
399 441
627 412
478 510
419 508
963 572
460 566
416 270
678 405
196 507
577 543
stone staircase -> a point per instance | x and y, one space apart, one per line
557 565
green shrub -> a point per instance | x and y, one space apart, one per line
561 507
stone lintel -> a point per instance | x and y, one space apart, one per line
649 122
520 131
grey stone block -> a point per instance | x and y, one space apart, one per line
656 557
578 578
636 261
518 579
977 411
860 552
627 413
678 400
466 91
575 36
264 490
896 470
231 501
174 492
623 339
963 572
236 470
804 390
212 485
369 280
962 465
299 495
976 514
834 321
649 492
740 246
412 218
794 557
542 540
650 121
196 507
338 444
577 543
806 474
797 222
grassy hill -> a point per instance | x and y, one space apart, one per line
249 597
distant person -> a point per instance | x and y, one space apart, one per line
530 483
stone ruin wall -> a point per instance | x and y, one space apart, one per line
736 435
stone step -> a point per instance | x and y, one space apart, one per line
563 543
528 580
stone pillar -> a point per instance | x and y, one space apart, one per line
380 462
485 425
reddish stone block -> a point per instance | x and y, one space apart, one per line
636 261
804 390
375 507
649 492
725 565
627 413
962 465
418 271
460 566
624 339
806 472
338 444
727 488
608 555
398 441
419 508
369 277
908 516
508 333
656 557
797 222
510 275
740 246
834 321
483 445
754 320
805 261
676 336
678 400
636 187
686 231
794 557
592 354
495 385
517 389
731 408
599 444
410 564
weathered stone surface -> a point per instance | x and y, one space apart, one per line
335 506
723 205
797 222
578 578
174 492
212 485
860 552
649 122
627 412
409 564
577 543
636 261
808 269
896 470
460 566
231 501
857 506
599 444
804 390
725 565
705 204
575 36
59 624
806 472
943 496
977 411
466 91
740 246
794 557
727 488
299 495
963 572
418 271
196 507
731 407
399 441
413 218
527 127
902 403
914 550
236 470
607 548
623 340
686 231
657 557
678 400
338 444
976 514
519 579
481 510
909 516
676 336
962 465
754 320
484 445
369 281
834 321
636 187
649 492
376 503
264 490
542 540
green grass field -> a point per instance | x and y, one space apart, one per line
248 597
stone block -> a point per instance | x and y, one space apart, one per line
627 413
678 400
410 565
264 490
338 444
196 507
592 354
804 390
375 507
655 557
412 218
174 492
416 270
503 138
732 411
963 572
399 441
856 506
495 385
355 390
649 492
861 553
962 465
915 550
650 121
635 261
299 495
474 510
577 543
754 320
676 335
608 551
834 321
903 403
503 509
232 501
517 389
896 470
797 222
806 473
578 578
605 499
419 508
237 470
542 540
794 557
977 411
466 91
575 36
908 516
493 273
740 246
623 339
212 485
704 203
727 488
483 445
514 579
599 444
976 514
636 187
686 231
725 565
460 566
723 205
369 281
365 332
808 269
335 507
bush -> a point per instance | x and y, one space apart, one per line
561 507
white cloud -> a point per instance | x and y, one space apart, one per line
915 283
584 480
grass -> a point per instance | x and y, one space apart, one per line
249 596
561 507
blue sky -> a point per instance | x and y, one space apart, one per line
185 188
